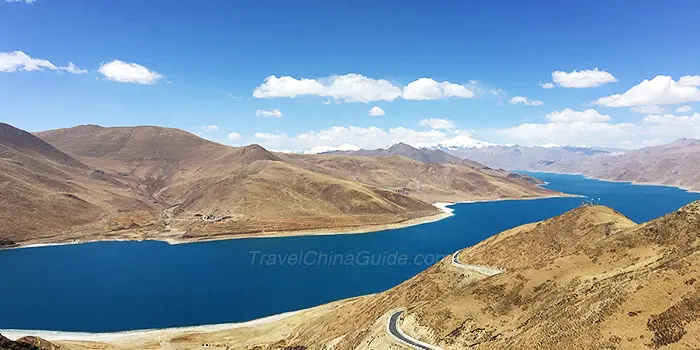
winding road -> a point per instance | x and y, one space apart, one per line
395 331
393 327
484 270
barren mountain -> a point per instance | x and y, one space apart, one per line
422 155
676 164
587 279
527 158
160 183
427 181
45 192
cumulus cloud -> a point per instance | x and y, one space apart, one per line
124 72
592 128
569 115
648 109
670 127
582 79
18 61
570 127
233 136
429 89
547 85
524 100
437 123
662 90
689 80
684 109
376 111
73 69
346 88
575 133
273 113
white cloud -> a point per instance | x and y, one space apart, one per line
30 2
233 136
18 61
73 69
662 90
210 128
689 80
684 109
123 72
273 113
570 127
376 111
574 133
583 78
345 88
429 89
547 85
437 123
323 149
670 127
524 100
648 109
568 115
461 139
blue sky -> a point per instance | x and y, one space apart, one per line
195 64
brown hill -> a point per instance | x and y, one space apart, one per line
422 155
431 182
160 183
45 192
587 279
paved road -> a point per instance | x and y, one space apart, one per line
394 329
484 270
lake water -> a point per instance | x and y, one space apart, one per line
116 286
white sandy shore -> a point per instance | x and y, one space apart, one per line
15 334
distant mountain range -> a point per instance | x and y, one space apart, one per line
423 155
527 157
91 182
676 163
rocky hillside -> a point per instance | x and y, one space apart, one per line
44 191
422 155
27 343
674 164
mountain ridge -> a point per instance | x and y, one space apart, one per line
161 183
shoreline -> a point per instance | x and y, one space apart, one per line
588 177
15 334
272 234
443 206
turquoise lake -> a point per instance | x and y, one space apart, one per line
116 286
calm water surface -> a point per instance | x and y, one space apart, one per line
115 286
